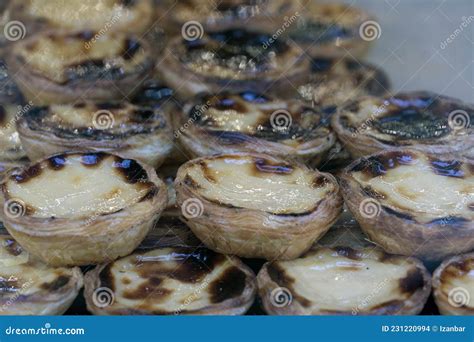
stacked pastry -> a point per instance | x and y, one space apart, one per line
172 145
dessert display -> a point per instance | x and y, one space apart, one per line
327 29
453 285
411 203
66 67
135 16
155 143
81 208
425 121
233 59
139 133
251 122
171 281
344 281
256 206
30 287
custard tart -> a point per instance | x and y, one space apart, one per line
63 67
333 30
208 15
417 120
344 281
413 203
234 60
171 281
453 285
255 205
101 16
81 208
29 287
251 122
139 133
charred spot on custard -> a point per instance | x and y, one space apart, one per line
130 48
448 168
266 166
57 162
149 290
92 159
379 165
413 281
107 278
25 175
393 305
451 221
371 192
131 170
189 181
229 285
206 172
56 284
279 276
348 253
320 181
3 115
92 70
12 247
151 193
413 123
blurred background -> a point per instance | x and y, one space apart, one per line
425 44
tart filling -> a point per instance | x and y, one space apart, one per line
76 209
409 195
11 149
327 29
344 281
139 132
171 281
232 59
453 283
60 67
29 287
421 120
117 15
248 121
254 205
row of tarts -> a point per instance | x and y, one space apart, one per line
260 197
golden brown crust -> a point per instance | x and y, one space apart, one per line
420 120
240 62
452 285
88 238
139 133
171 281
78 75
401 286
408 227
258 233
30 287
250 122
